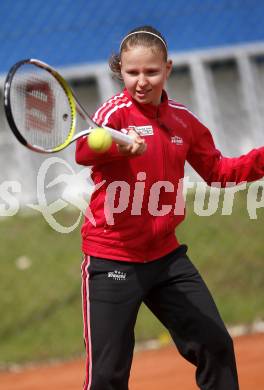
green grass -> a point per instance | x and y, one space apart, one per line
41 305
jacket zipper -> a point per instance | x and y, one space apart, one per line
162 145
163 161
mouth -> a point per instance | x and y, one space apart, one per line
142 94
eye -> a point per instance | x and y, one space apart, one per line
132 72
152 72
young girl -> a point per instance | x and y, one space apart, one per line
131 253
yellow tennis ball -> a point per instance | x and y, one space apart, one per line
164 338
99 140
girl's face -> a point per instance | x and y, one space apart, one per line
144 72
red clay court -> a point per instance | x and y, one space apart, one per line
161 369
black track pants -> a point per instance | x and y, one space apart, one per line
174 291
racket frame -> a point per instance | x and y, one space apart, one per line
118 136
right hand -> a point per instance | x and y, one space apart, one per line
137 148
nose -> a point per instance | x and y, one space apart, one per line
142 81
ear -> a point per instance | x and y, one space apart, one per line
120 67
169 68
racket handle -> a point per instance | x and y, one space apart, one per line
119 137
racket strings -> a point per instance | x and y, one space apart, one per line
40 107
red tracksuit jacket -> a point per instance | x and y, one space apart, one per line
145 229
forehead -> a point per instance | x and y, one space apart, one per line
140 54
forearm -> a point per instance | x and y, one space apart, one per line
246 168
84 155
213 167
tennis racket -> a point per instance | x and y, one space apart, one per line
43 112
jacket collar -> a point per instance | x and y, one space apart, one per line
151 110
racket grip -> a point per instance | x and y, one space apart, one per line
119 137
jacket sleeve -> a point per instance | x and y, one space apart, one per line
84 155
213 167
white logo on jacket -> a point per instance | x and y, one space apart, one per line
175 139
142 130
